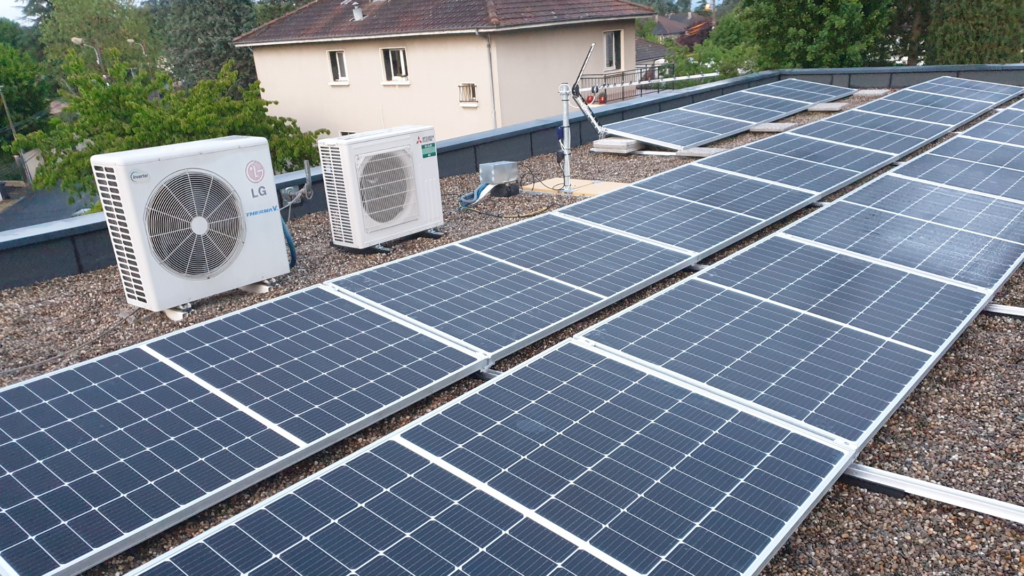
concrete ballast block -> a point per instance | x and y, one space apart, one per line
828 107
870 93
699 152
773 127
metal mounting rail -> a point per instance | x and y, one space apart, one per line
897 483
1000 310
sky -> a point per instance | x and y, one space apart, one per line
10 9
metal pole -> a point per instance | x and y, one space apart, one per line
565 91
14 133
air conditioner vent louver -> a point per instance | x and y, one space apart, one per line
337 199
110 198
195 224
386 181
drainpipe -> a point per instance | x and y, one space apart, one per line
490 72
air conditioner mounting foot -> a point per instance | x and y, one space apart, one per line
376 249
178 313
432 233
261 287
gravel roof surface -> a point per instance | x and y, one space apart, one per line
963 427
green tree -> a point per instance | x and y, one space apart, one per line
645 29
199 33
145 110
21 37
24 91
971 32
37 10
103 24
819 33
908 30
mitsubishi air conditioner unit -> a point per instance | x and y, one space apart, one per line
192 220
381 185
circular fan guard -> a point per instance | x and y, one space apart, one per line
195 224
385 183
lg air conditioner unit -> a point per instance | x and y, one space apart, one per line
192 220
381 186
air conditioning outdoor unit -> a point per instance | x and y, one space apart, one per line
381 185
192 220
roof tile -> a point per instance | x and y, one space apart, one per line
330 19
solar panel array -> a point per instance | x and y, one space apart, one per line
710 120
95 457
689 434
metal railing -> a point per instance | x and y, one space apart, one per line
618 86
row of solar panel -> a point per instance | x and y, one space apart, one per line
724 116
553 272
618 452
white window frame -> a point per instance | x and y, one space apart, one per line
396 80
342 80
615 57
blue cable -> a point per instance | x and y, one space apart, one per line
291 243
471 198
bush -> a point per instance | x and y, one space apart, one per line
125 111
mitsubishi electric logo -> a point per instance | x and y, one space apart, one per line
139 176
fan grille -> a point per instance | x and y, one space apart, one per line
195 223
386 181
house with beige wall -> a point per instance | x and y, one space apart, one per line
462 66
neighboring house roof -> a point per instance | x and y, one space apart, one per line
332 19
647 51
676 24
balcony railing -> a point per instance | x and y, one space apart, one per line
610 86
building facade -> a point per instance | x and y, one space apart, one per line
351 68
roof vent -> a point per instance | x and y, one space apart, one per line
357 12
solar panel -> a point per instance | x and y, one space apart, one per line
1006 126
888 107
674 221
972 212
801 90
992 179
882 133
484 302
891 303
730 192
98 456
314 363
92 453
580 255
724 116
912 96
809 176
747 107
571 464
972 89
947 252
816 371
680 128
